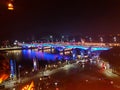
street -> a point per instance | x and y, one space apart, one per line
76 76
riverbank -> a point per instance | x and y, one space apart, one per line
15 48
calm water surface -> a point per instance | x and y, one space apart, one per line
25 57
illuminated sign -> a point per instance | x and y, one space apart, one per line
12 68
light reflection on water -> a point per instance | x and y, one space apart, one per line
25 57
30 54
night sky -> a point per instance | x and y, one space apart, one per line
49 17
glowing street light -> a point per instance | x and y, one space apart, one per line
10 6
115 39
19 67
51 38
101 39
90 39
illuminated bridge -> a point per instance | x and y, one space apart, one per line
66 48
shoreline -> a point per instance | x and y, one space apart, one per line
15 48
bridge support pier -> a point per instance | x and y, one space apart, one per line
74 54
42 48
63 51
51 49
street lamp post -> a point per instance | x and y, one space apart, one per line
56 86
62 38
19 67
101 39
90 39
51 38
115 39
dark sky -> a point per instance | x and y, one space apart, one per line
44 17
